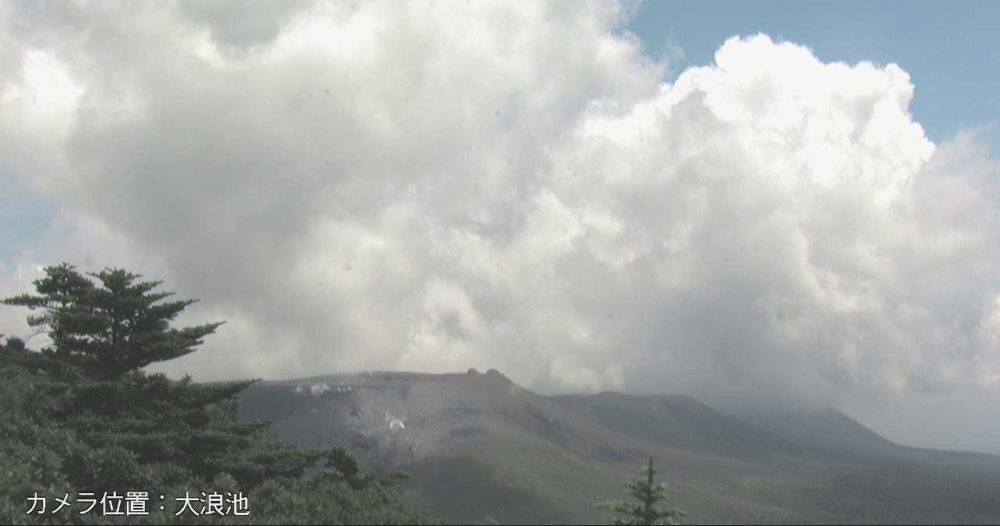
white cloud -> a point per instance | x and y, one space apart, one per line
454 185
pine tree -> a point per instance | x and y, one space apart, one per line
645 490
81 414
108 331
112 329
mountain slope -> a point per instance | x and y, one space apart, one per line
841 436
477 445
679 421
480 447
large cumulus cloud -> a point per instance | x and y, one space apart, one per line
451 185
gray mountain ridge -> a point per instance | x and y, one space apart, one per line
480 447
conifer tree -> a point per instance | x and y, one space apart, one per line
109 331
112 329
648 493
83 415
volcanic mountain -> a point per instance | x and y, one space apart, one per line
480 448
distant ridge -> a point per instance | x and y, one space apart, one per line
836 432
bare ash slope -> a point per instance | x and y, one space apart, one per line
480 447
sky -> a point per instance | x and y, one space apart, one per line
949 49
789 205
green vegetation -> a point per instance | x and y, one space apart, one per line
81 416
648 493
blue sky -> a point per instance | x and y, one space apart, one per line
25 214
950 49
